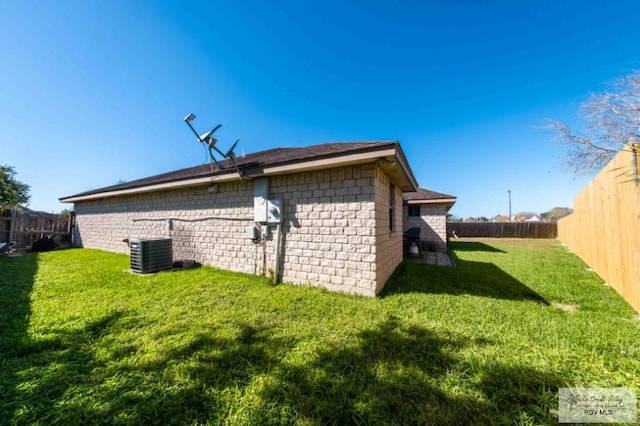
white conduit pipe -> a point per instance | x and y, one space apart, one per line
276 269
200 219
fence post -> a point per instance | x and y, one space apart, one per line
70 225
12 224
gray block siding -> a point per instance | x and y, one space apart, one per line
334 234
388 242
432 222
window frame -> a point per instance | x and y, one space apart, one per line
411 210
392 207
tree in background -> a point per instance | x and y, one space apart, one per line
526 215
557 213
454 218
612 121
481 219
12 191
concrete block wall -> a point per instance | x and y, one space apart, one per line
388 241
433 224
105 223
331 232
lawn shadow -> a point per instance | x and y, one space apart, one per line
467 277
183 384
38 371
49 367
388 373
99 371
393 374
17 277
473 246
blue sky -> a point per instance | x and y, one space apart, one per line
94 92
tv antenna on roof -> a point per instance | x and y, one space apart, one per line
210 142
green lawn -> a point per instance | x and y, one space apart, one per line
83 341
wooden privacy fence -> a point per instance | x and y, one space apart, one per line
504 229
26 226
604 229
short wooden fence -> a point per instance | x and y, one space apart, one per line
503 229
26 226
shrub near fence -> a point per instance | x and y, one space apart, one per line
504 229
604 229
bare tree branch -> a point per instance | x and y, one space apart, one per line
612 121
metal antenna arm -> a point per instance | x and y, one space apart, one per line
188 120
230 153
232 157
212 146
213 157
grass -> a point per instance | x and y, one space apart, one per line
83 341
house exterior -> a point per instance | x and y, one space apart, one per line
428 210
328 215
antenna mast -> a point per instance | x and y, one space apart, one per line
210 142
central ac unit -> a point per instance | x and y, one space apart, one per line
151 255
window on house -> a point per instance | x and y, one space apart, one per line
414 211
392 203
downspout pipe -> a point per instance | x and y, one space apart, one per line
276 266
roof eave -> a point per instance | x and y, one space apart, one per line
404 177
395 165
152 188
432 201
448 202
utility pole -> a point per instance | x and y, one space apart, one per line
509 191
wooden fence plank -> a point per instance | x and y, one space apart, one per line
12 226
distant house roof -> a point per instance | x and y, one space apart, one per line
271 162
426 196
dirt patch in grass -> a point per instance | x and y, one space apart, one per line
565 306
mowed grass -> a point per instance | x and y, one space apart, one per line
83 341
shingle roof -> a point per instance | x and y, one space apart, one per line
426 195
251 162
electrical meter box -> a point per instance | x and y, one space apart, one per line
265 210
260 195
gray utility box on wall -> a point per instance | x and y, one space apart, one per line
151 255
266 210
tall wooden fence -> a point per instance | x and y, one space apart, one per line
26 226
503 229
604 229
